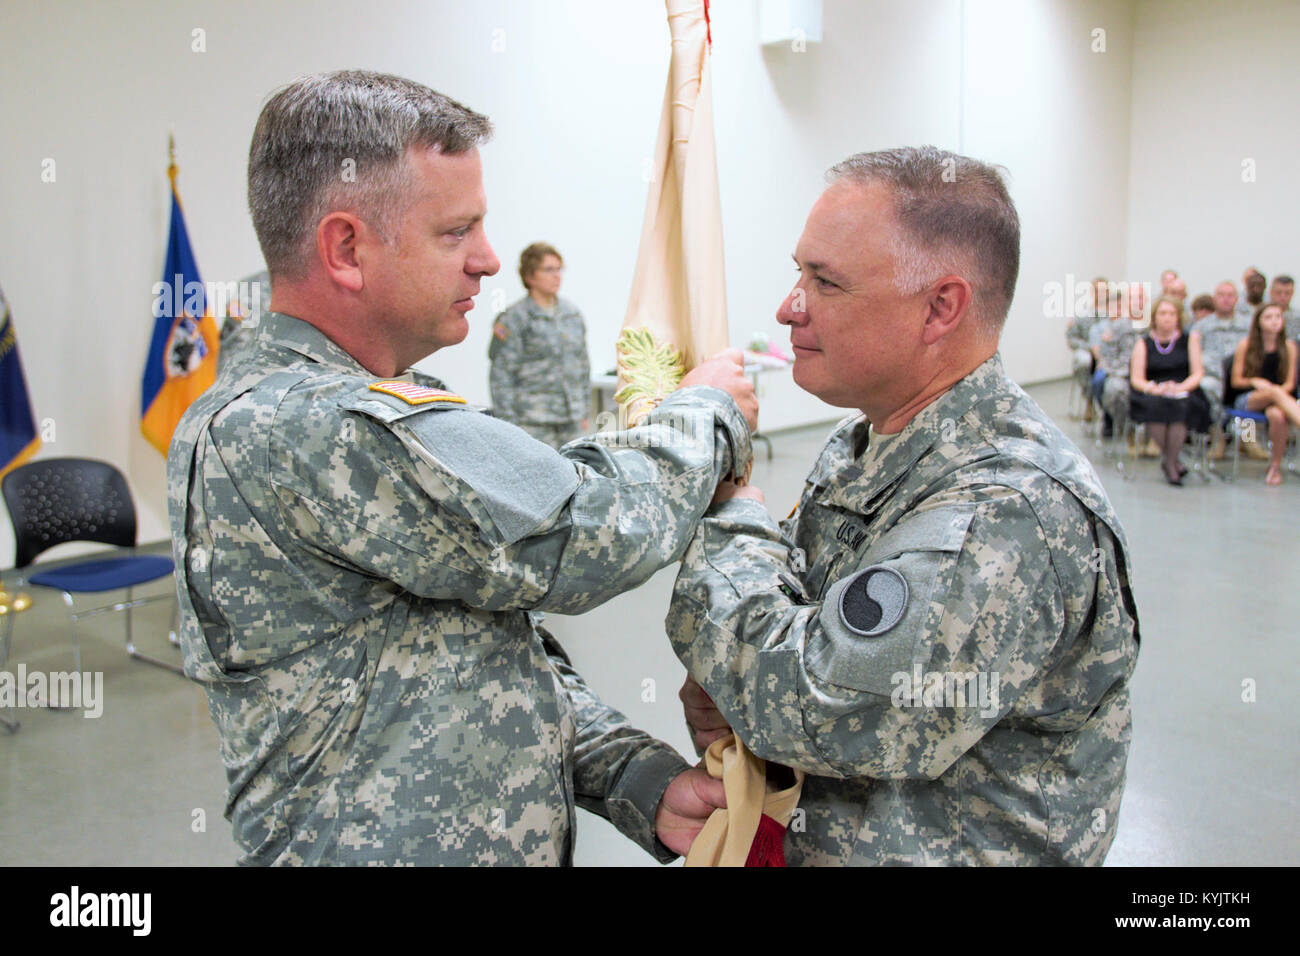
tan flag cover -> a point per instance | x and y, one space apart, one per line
679 288
676 318
732 836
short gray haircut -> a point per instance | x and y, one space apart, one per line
955 216
338 141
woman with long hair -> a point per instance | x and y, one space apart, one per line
1265 363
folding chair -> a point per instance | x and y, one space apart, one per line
57 500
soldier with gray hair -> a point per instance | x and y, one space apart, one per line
942 633
361 555
1219 334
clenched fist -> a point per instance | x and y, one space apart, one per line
726 371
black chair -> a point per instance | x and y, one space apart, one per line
58 500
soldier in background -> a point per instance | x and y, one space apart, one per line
360 554
1253 284
541 373
942 633
1113 347
1078 334
1280 291
1220 334
237 330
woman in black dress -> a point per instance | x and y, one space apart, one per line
1264 368
1164 378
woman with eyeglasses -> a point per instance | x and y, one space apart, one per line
541 373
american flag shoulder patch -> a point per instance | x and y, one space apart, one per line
414 394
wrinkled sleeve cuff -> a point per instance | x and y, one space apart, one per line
726 416
634 800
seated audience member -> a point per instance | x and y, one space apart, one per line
1166 374
1078 336
1167 279
1280 292
1113 349
1253 284
1265 365
1178 290
1202 307
1219 334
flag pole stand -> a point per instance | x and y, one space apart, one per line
14 604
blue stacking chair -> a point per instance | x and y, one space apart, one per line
58 500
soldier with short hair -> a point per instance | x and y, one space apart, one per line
541 373
1280 292
360 554
1078 334
1220 333
942 633
1114 341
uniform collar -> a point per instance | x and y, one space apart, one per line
865 476
284 331
535 310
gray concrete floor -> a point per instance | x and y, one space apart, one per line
1210 779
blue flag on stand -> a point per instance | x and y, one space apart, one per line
182 359
18 438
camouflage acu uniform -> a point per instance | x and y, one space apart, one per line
1219 339
1077 335
1115 351
254 300
1014 566
541 374
357 577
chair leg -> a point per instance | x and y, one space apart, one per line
1138 431
140 656
1201 455
76 645
1236 448
8 634
8 724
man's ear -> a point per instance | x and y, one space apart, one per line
949 303
337 238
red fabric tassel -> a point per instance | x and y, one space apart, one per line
708 26
768 848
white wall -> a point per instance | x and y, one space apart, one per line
574 87
1215 83
1039 101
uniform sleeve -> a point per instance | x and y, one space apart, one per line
620 773
1076 333
583 383
455 505
916 651
504 353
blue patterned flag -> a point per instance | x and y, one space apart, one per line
18 437
182 359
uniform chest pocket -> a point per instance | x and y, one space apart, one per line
541 339
880 614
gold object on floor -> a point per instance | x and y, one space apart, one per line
17 603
